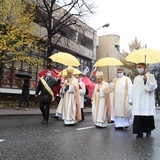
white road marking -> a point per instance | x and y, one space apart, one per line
109 124
79 129
1 140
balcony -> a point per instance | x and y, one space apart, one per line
74 47
64 42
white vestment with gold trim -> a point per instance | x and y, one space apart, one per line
122 96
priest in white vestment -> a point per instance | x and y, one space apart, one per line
122 87
82 91
71 110
101 102
144 86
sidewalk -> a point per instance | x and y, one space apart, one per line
32 111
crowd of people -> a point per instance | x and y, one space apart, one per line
115 102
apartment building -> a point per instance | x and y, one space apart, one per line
77 41
109 46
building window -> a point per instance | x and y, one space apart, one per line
82 43
11 68
83 63
6 80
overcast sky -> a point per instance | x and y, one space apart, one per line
129 19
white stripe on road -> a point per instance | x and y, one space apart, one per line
1 140
79 129
109 124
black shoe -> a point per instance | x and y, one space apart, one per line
119 128
139 135
99 127
44 122
110 122
126 127
148 134
55 117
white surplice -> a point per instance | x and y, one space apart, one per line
122 96
82 91
71 104
143 95
59 108
112 109
111 100
101 104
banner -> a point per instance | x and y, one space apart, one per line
86 70
93 73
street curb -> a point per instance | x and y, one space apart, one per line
13 112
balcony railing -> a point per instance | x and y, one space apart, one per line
63 42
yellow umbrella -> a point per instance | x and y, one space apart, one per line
108 61
145 55
77 71
64 72
65 58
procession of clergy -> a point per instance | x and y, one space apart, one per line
118 101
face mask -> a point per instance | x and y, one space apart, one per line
140 70
48 74
119 75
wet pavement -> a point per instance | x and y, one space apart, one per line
24 138
31 111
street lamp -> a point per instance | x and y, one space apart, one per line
93 47
106 25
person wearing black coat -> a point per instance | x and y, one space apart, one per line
25 94
45 96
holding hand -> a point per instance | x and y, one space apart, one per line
66 85
145 78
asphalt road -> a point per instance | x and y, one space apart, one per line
24 138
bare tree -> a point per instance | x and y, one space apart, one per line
134 45
56 15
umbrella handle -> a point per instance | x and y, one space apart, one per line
61 73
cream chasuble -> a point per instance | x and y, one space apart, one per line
122 96
101 104
71 103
